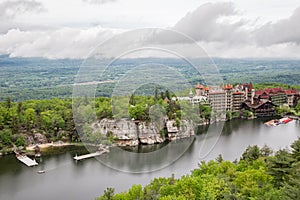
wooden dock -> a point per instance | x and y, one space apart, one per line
90 155
26 160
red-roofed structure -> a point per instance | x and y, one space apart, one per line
292 96
291 92
276 95
199 89
249 86
199 86
227 87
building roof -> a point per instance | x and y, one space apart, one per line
270 91
257 103
227 87
291 92
249 86
199 86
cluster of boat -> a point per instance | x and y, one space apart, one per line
276 122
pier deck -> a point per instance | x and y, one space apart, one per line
26 160
90 155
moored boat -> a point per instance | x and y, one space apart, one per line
41 171
285 120
273 122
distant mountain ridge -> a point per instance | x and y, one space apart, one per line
40 78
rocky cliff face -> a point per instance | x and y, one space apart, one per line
124 130
132 133
149 133
37 138
185 130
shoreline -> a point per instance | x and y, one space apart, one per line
45 146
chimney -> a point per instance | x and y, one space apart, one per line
246 93
252 96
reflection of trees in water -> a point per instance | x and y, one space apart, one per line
202 129
144 148
8 163
231 126
228 128
134 162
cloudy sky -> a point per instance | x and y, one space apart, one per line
73 28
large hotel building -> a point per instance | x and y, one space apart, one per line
234 98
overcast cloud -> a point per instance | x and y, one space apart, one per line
203 25
99 1
61 43
220 28
283 31
9 9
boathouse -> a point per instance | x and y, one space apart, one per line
260 108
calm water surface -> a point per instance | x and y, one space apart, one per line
66 179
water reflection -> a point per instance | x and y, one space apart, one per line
86 179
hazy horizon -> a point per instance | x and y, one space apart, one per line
72 29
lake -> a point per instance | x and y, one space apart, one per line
86 179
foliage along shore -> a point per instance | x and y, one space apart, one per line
45 121
259 174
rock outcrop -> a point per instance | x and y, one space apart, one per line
149 133
185 130
40 138
124 130
131 133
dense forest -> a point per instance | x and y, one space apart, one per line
54 119
259 86
259 174
20 121
36 78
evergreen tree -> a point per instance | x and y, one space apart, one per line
219 159
132 100
252 153
291 189
162 95
296 150
156 94
168 94
19 110
108 194
266 151
279 166
8 102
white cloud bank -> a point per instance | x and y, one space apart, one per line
217 27
203 24
9 10
61 43
282 31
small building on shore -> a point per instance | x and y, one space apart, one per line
260 108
